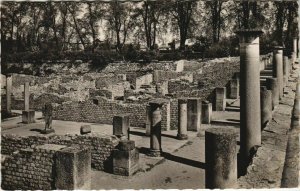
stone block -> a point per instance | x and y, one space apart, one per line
85 129
126 145
220 99
121 125
234 89
28 116
125 163
206 113
73 168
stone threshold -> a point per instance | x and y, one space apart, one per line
266 168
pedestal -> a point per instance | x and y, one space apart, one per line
28 116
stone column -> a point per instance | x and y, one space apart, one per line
285 69
182 119
295 50
266 106
220 99
193 114
250 122
234 89
73 168
148 120
278 68
26 96
220 158
121 125
155 133
272 84
206 113
8 92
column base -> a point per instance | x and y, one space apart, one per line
182 136
28 116
47 131
154 153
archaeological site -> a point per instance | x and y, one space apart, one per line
177 94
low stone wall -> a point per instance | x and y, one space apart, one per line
30 169
101 145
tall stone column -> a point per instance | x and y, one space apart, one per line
206 112
272 84
266 106
148 120
250 122
26 96
220 98
193 114
285 69
295 50
8 92
155 132
278 68
182 119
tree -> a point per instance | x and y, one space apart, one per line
120 21
182 11
216 21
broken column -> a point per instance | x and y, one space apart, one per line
272 84
250 122
182 119
193 114
278 68
206 113
220 158
220 99
125 158
234 89
8 92
27 114
73 168
155 132
121 125
266 106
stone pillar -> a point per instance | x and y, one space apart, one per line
121 125
73 168
278 68
206 113
193 114
148 120
250 122
285 69
295 39
182 119
272 84
266 106
155 132
220 99
28 116
26 96
125 158
8 92
220 158
234 89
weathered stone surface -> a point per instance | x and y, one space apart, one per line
73 168
121 125
182 119
85 129
220 158
28 116
193 114
206 113
220 99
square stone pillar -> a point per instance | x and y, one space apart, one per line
206 113
193 114
125 158
220 99
295 49
250 120
26 96
121 125
8 92
278 68
28 116
234 89
182 119
73 168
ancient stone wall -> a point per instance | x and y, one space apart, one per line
145 79
101 145
30 169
